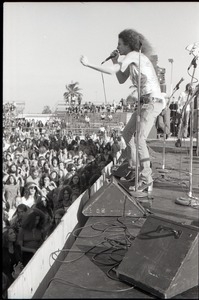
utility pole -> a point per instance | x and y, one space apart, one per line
171 84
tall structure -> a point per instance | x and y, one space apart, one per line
171 87
160 73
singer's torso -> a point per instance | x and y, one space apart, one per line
149 83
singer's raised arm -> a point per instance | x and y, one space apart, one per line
111 70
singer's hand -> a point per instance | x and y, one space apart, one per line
84 60
115 55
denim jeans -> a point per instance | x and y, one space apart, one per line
148 115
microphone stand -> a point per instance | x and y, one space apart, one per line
182 200
163 170
137 193
104 88
103 80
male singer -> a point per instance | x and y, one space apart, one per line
135 48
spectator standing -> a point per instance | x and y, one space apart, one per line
34 176
64 200
184 114
31 193
115 150
163 119
75 184
11 191
31 234
18 216
12 257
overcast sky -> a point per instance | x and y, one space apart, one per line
43 41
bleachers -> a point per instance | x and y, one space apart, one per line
95 118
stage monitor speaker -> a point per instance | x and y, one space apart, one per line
122 170
112 200
163 259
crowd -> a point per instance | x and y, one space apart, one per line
43 174
89 107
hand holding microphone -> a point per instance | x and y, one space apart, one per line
114 54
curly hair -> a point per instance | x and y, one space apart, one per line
29 221
134 39
8 179
65 188
5 238
41 181
54 158
21 206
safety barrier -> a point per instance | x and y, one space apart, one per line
25 286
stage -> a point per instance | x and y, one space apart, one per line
92 267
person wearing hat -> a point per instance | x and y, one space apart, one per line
31 193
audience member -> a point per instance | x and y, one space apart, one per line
18 216
11 191
31 234
12 257
31 193
64 200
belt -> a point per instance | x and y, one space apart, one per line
146 100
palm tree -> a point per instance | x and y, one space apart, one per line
46 110
72 92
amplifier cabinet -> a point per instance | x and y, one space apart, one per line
163 259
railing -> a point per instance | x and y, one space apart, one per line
29 280
80 130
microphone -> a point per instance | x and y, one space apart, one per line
110 56
193 48
177 85
193 62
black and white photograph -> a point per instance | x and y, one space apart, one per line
100 144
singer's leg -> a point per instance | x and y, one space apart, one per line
128 135
149 113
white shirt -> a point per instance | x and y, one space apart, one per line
149 83
29 202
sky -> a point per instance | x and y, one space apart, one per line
43 42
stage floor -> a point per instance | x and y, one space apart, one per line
86 271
